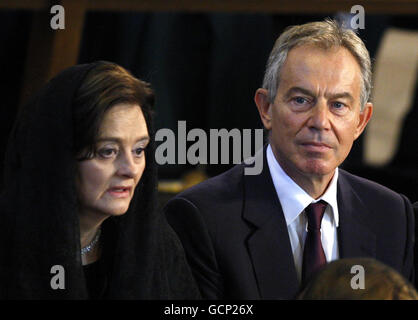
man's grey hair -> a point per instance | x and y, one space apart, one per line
324 34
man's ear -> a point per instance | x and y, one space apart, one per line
264 107
364 118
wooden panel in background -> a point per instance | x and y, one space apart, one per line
268 6
51 51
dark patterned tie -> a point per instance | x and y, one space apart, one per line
313 253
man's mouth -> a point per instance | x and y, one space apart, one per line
314 146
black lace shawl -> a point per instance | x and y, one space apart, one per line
39 225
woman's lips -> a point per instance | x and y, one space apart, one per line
119 191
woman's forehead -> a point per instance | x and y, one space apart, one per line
123 120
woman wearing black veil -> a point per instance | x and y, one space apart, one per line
79 195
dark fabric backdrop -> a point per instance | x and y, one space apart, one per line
205 69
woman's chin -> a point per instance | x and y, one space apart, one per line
117 212
114 211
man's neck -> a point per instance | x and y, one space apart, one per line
314 185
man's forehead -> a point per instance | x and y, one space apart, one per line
312 52
307 65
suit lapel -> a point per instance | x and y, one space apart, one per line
356 238
269 245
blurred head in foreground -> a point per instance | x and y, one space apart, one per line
358 279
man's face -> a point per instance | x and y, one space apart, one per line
315 116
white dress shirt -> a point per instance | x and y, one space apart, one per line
294 200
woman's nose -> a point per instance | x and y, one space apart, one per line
127 166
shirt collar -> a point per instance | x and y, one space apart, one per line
293 198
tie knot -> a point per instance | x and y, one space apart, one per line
314 213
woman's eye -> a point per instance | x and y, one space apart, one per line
107 152
138 152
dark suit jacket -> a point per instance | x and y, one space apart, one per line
235 236
416 246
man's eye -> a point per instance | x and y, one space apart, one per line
300 100
338 105
107 152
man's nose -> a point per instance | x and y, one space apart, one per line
319 118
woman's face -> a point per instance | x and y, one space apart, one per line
106 183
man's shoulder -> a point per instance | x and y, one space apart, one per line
368 189
217 188
209 203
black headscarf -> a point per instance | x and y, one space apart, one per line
39 225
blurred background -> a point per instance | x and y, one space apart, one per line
205 59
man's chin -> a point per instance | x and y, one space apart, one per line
318 169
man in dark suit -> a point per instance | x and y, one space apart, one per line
416 246
263 236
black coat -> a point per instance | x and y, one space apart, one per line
236 240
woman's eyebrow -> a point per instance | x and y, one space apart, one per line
119 140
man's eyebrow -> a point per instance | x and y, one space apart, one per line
118 140
341 95
307 92
294 90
